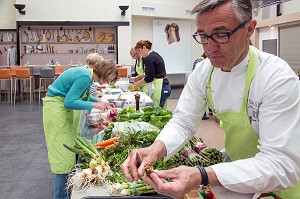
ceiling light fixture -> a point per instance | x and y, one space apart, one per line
20 8
123 9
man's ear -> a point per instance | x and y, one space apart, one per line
250 25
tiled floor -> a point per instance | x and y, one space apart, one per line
24 168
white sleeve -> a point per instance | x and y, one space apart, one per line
276 166
188 113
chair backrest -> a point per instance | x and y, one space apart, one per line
5 74
58 70
47 73
13 70
36 71
122 72
23 73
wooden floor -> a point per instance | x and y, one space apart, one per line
210 132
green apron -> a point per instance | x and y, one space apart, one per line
241 141
76 113
58 128
61 127
139 70
155 93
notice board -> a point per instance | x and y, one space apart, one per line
177 55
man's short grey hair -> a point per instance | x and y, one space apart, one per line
241 8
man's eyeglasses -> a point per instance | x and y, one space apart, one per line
133 56
219 37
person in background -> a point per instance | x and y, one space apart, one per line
69 92
138 69
155 74
198 60
91 60
257 97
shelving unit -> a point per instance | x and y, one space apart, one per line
65 44
5 44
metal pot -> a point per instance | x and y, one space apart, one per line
118 103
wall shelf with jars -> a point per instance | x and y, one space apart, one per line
63 43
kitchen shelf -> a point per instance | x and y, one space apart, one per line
8 43
35 43
89 41
60 53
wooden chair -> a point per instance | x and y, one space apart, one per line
23 75
6 76
58 70
13 70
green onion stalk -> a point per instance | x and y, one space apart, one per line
131 189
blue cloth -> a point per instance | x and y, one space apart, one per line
74 84
165 93
60 181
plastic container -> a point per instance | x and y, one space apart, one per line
123 85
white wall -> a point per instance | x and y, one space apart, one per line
289 7
82 10
7 14
102 10
168 9
174 9
267 33
141 29
74 10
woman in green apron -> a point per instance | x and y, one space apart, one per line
70 92
138 69
90 61
155 74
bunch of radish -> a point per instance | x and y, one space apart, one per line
113 116
102 125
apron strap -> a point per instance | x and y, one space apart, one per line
251 70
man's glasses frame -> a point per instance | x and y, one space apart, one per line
133 56
219 37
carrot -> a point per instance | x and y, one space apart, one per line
109 146
107 142
105 147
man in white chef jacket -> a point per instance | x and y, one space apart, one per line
257 97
